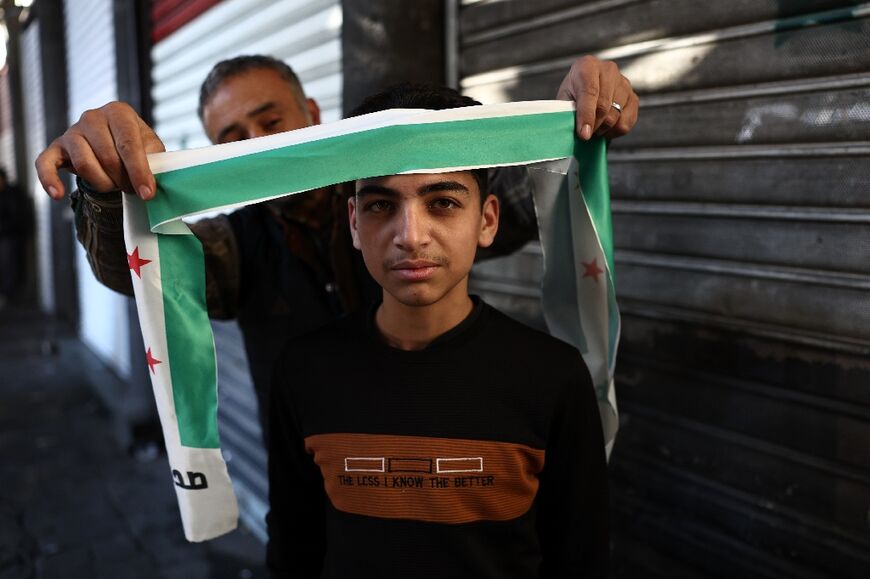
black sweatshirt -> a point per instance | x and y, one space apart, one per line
479 456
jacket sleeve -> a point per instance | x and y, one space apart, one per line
572 498
222 265
296 520
100 229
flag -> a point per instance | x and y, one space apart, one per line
166 261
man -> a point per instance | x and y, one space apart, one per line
450 441
15 222
282 268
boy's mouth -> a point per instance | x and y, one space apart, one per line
415 269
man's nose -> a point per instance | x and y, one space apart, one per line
412 228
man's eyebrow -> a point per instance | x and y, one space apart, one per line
230 128
261 109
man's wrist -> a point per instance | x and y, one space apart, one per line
99 196
102 209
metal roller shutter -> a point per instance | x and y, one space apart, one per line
304 33
241 436
307 35
7 134
92 82
34 123
743 267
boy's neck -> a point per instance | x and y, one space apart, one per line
415 327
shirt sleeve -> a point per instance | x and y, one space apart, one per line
296 521
573 497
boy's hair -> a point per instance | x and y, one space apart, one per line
233 66
416 95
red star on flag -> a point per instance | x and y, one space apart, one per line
136 263
591 269
151 360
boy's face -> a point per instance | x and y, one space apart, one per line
419 233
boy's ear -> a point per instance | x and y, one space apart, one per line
351 217
488 221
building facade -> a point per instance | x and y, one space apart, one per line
740 208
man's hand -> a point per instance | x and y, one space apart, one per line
596 85
106 148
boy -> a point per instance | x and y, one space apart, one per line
433 436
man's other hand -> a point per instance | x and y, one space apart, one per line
595 85
107 148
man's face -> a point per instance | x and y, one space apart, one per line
419 233
255 103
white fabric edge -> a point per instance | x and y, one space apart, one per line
172 161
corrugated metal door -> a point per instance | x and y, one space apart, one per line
91 83
7 133
743 268
307 35
304 33
34 122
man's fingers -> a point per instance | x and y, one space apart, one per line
595 85
152 142
609 81
627 118
86 165
94 129
91 148
47 164
130 148
587 86
607 115
621 97
584 85
107 147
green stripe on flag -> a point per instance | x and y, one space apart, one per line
189 340
592 157
595 184
383 151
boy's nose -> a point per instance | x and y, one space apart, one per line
412 228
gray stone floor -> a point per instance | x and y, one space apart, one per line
72 502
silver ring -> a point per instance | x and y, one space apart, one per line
617 106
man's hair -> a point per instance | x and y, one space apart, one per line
231 67
415 95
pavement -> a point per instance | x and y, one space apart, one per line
73 501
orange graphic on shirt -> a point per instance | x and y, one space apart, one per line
438 480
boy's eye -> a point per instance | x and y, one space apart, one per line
272 123
378 206
444 203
